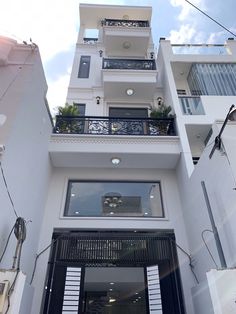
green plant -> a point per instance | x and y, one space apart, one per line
67 121
68 110
161 127
162 111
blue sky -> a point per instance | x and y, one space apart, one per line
53 25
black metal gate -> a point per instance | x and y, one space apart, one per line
113 249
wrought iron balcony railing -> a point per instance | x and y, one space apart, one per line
114 126
129 64
90 40
124 23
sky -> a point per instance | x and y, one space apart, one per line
53 25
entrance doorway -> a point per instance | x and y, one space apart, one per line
113 272
114 290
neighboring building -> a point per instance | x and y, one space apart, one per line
125 210
25 128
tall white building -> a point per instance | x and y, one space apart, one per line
133 197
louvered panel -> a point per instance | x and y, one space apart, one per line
154 291
123 249
71 291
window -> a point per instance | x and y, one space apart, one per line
128 112
81 108
84 67
212 79
181 91
107 198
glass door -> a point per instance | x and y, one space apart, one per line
114 290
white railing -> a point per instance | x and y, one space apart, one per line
191 105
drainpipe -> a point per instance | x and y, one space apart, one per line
214 229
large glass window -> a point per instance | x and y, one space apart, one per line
142 199
212 79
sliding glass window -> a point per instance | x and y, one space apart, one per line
141 199
212 79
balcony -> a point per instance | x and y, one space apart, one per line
124 23
129 64
138 74
114 126
93 141
126 37
191 105
90 41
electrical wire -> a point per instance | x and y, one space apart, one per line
190 259
33 47
11 289
225 28
6 244
204 241
38 255
8 192
20 233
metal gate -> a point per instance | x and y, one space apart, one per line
156 252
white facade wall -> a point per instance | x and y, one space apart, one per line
218 173
25 160
56 203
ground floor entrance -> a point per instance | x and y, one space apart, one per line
113 273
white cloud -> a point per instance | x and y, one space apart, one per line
185 34
57 92
51 24
186 8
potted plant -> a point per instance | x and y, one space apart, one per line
162 111
161 127
65 123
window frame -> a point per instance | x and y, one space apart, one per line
84 72
66 193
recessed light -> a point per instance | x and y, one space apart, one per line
112 283
151 196
77 213
115 161
111 213
73 194
129 91
145 213
126 45
111 289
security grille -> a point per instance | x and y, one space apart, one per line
93 249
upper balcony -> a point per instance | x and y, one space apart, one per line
126 37
85 141
140 75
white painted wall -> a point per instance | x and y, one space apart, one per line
25 161
218 173
55 207
222 289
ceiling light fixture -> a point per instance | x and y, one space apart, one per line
126 45
115 161
129 91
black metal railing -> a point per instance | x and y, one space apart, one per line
90 40
129 64
124 23
114 126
